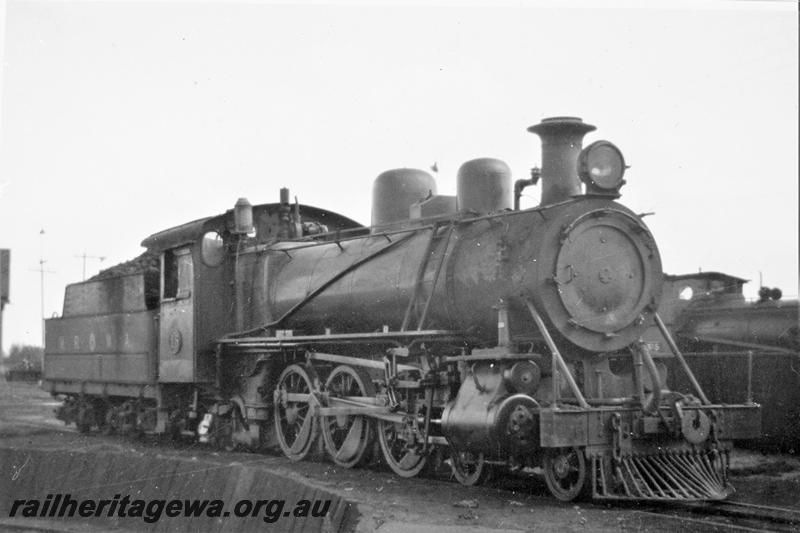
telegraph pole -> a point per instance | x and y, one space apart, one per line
5 262
84 256
42 272
41 277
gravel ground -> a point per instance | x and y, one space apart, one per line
390 504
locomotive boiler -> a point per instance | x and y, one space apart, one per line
459 327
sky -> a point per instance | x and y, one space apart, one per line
120 119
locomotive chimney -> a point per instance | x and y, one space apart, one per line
562 139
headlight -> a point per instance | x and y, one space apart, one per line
601 167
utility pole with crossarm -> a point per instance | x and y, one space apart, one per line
5 262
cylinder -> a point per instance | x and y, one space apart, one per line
395 191
562 140
486 418
484 186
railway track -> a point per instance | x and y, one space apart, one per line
728 516
750 511
714 516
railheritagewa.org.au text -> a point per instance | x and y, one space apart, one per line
150 511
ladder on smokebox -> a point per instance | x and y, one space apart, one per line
417 296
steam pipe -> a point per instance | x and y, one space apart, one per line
519 185
558 361
637 376
655 378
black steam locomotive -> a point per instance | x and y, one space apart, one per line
742 351
452 326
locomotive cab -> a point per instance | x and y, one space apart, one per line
189 283
176 317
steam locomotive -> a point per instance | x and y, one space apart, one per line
742 351
459 327
709 309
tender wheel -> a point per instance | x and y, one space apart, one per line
469 468
101 409
565 473
347 437
229 426
111 422
86 418
295 424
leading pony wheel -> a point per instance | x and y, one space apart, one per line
347 437
296 425
565 473
469 468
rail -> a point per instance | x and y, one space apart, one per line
752 516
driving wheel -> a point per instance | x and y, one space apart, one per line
295 423
347 437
